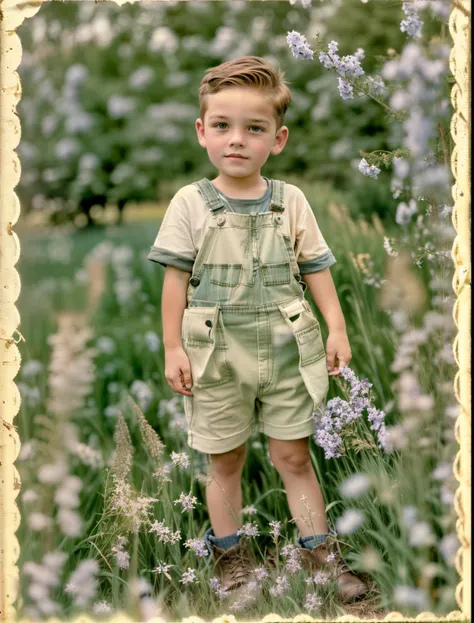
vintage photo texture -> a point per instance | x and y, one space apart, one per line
102 503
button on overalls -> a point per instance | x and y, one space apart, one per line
253 341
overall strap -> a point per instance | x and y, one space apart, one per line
277 200
215 203
210 195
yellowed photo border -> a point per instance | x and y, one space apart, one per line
12 14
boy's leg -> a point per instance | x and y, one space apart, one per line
224 491
292 460
234 563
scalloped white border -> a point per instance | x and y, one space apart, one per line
12 14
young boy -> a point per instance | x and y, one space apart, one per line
240 250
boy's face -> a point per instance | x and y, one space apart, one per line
240 120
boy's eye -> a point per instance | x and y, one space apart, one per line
224 123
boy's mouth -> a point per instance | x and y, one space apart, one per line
236 156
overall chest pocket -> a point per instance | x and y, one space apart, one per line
205 344
227 275
276 274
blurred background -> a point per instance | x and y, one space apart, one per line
108 106
110 97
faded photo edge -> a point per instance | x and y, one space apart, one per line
12 14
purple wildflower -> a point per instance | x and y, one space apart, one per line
345 89
248 529
413 24
331 424
282 586
369 170
275 528
299 46
220 591
198 546
260 573
313 602
293 564
188 576
321 577
187 501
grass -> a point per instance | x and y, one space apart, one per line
50 286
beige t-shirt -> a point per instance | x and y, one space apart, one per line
187 219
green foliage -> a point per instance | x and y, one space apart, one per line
95 131
368 198
400 480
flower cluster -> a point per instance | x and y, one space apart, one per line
350 521
219 590
412 25
313 602
299 46
293 558
164 534
122 557
387 245
45 577
248 529
281 588
305 3
347 67
187 501
181 459
370 170
82 583
163 568
189 576
275 528
198 546
339 414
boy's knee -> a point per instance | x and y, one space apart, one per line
292 462
290 456
227 463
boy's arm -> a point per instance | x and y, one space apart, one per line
173 304
323 291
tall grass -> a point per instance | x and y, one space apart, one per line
121 450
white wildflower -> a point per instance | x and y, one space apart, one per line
350 521
355 485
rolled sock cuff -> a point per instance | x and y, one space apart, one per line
223 542
310 542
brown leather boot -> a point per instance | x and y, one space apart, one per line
234 566
349 587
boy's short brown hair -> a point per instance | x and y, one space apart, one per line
253 71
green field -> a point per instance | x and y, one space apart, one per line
129 361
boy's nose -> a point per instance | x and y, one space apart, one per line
237 138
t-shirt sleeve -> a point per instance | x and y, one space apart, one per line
174 244
311 250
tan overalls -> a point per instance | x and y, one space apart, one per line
253 341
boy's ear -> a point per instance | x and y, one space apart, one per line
280 140
200 132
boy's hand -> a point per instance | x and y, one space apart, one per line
337 348
178 371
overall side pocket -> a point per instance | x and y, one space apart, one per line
206 346
307 332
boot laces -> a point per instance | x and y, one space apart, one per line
237 563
